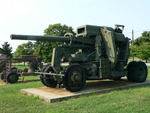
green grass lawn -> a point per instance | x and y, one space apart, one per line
129 100
22 67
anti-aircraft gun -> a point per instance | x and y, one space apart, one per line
96 52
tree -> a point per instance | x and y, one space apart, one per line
139 41
146 34
58 30
24 49
144 38
143 51
141 47
133 51
6 49
44 48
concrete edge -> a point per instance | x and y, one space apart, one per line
59 99
97 92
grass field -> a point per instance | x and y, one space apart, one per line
22 67
129 100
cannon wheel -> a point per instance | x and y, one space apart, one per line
3 77
137 71
42 76
12 78
74 78
45 79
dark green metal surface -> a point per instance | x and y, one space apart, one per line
40 38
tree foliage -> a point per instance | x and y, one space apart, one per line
133 50
143 51
146 34
24 49
141 40
44 48
6 49
141 47
58 30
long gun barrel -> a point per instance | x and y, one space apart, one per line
53 38
40 38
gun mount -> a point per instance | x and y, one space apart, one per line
97 52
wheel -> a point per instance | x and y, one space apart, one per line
12 78
3 77
74 78
42 76
137 71
46 80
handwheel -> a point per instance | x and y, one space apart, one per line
46 79
42 76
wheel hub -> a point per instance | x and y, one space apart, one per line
12 77
76 77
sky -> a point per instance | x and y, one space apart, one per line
32 17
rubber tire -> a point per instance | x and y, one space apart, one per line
12 80
67 78
46 80
137 71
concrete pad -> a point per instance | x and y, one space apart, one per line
98 86
3 83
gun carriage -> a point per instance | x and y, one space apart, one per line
96 52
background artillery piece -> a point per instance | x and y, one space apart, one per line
10 73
